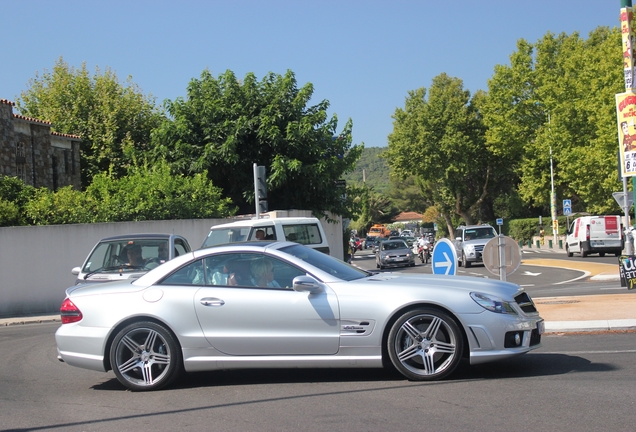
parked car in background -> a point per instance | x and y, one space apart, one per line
206 310
595 234
129 256
394 253
470 241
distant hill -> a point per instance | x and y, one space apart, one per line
375 168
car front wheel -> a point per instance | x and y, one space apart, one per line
145 356
465 262
425 344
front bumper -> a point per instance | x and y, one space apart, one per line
512 335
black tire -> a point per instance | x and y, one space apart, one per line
145 356
425 344
583 254
465 262
601 254
567 250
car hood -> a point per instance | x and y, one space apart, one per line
392 280
478 242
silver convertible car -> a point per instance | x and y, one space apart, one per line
283 305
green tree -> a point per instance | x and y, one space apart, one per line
440 139
146 193
558 94
113 120
224 125
14 195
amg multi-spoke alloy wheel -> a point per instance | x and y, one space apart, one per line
145 356
425 344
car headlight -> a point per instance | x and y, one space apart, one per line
470 249
492 303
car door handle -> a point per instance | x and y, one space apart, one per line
211 301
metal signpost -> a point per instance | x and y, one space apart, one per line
567 211
502 256
444 258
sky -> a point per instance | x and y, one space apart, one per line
362 56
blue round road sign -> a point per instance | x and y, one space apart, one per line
444 259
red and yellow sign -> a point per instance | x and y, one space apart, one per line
626 118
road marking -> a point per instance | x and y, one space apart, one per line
527 273
588 352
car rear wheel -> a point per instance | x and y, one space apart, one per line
145 356
567 250
425 344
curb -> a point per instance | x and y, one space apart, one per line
589 326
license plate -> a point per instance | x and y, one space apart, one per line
598 243
541 327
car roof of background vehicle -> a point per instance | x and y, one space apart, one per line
266 222
141 236
474 226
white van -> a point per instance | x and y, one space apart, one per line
304 230
595 234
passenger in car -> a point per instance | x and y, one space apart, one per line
263 273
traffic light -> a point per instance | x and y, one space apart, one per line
262 206
261 183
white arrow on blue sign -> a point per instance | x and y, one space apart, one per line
444 259
567 204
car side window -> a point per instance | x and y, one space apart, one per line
191 274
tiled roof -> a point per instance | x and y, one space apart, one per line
6 101
32 120
66 135
408 216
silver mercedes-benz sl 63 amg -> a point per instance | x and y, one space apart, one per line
282 305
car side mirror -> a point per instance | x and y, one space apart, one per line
306 284
458 238
75 271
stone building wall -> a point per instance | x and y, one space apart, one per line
30 151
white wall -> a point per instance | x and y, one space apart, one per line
36 262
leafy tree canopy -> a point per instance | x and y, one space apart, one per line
225 125
113 120
558 95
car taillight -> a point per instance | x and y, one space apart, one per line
69 312
587 232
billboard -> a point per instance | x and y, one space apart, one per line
626 116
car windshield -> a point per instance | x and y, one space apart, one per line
392 245
479 233
326 263
113 256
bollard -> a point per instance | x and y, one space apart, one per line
520 243
560 244
550 244
538 243
529 243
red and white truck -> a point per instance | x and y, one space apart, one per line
595 234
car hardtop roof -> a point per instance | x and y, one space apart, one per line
140 236
265 222
260 243
475 226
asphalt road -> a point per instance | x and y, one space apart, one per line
574 382
538 281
